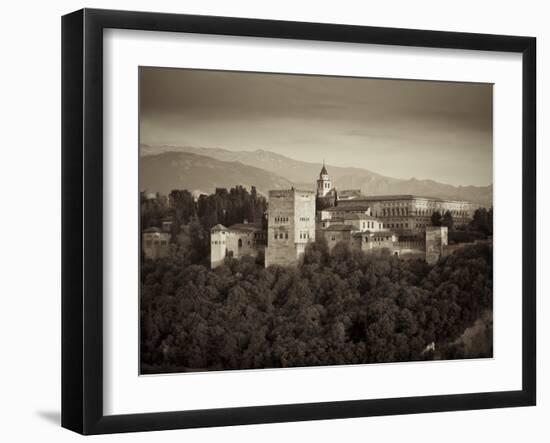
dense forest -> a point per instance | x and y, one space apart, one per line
193 217
225 207
338 307
343 307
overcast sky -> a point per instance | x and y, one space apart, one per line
399 128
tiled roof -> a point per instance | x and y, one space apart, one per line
402 197
246 227
218 227
152 229
339 227
374 233
358 217
347 208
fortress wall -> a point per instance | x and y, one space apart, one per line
436 242
335 237
226 243
449 249
246 245
411 254
410 245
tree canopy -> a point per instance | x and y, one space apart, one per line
436 218
342 307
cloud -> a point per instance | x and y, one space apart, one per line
401 128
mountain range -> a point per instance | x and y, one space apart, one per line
164 167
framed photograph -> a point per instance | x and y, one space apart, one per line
269 221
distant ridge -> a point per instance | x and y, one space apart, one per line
196 173
281 171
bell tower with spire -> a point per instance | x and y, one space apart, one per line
323 184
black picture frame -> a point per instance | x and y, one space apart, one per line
82 218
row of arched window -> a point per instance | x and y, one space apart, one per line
281 236
281 219
369 225
395 211
396 225
388 212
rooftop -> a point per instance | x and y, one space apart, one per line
339 227
350 208
289 191
383 233
403 197
358 217
218 227
245 227
152 229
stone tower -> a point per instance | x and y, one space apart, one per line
436 243
219 235
291 225
323 184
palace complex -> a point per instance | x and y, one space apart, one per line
399 223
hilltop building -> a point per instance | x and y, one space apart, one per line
410 214
235 241
324 185
155 243
398 223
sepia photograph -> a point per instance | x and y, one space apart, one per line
292 221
